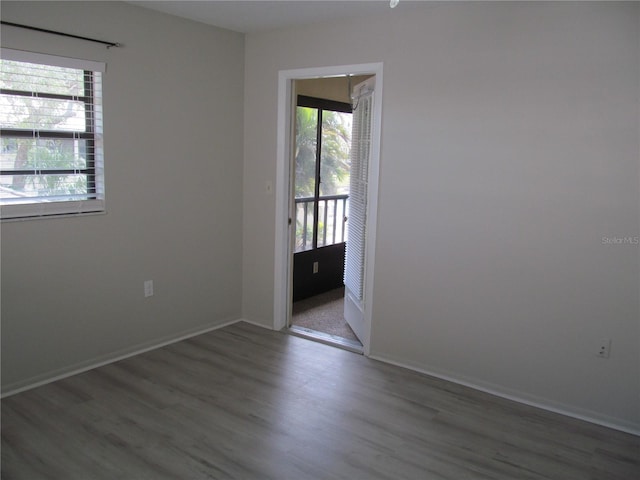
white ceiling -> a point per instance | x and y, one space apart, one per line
262 15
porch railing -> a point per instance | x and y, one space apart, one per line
330 227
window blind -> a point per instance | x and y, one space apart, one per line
51 158
358 194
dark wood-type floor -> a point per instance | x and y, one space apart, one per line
248 403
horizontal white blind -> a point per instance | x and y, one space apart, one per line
360 150
51 161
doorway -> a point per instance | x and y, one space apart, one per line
286 215
321 183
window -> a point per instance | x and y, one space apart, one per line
323 141
51 157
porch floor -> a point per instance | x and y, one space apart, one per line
323 313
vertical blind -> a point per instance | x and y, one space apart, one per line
360 152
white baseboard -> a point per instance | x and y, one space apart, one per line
81 367
256 324
520 397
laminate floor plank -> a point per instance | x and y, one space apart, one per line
247 403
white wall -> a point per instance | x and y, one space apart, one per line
72 288
509 150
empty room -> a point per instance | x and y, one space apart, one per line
487 160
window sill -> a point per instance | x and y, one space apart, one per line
35 211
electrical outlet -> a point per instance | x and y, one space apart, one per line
315 267
604 348
148 288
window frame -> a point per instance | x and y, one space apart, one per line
94 201
321 105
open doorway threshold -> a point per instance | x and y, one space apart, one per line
321 318
326 338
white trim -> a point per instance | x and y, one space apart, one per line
283 168
48 217
54 60
521 397
81 367
282 261
29 211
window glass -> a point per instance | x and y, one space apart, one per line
334 159
306 145
321 194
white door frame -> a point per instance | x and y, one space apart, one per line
283 268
